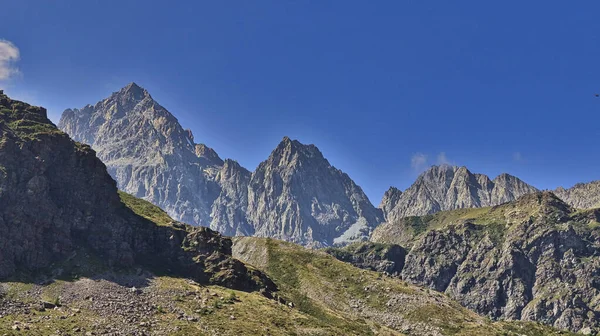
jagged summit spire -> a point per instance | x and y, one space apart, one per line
132 90
289 148
447 187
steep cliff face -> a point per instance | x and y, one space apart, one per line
147 152
57 199
297 195
581 195
229 209
532 259
448 187
384 258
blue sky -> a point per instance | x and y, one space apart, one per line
382 88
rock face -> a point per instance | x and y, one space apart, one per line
297 195
447 187
147 152
534 259
229 209
57 199
581 195
384 258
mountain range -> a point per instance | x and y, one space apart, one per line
79 257
448 187
294 195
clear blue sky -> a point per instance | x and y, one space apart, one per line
382 88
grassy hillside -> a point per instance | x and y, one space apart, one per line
146 209
358 302
318 295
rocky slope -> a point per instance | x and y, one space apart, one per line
148 153
57 201
534 259
581 195
294 195
384 258
447 187
297 195
356 302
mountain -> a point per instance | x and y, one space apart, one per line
448 187
294 195
57 201
147 152
80 257
297 195
581 195
533 259
350 301
229 208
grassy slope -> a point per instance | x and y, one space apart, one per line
347 298
146 209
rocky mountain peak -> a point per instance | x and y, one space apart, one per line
390 197
208 155
134 92
505 177
446 187
293 153
581 195
392 192
142 143
230 165
297 195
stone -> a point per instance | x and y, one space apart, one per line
448 187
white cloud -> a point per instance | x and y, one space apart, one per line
442 159
517 156
9 55
418 162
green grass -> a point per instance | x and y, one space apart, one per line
146 209
32 130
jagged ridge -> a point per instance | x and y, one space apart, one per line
294 195
447 187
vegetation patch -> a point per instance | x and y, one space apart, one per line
146 209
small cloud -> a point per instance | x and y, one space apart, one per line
517 156
442 159
418 162
9 55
